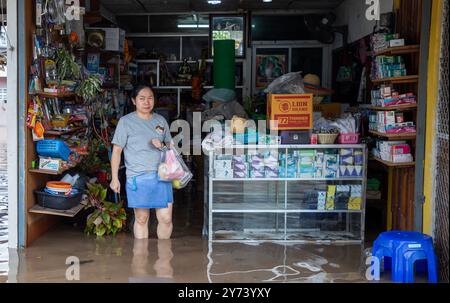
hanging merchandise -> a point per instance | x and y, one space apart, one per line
51 75
55 11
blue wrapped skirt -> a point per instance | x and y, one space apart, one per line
147 191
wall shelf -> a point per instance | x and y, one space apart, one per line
56 95
64 132
398 80
56 212
392 164
405 136
46 172
399 50
397 107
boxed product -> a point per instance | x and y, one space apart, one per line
257 174
321 200
358 157
240 174
331 169
271 173
342 197
396 42
355 197
331 193
50 163
310 200
222 164
224 174
290 111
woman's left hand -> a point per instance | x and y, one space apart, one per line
157 143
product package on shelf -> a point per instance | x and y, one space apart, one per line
342 197
355 197
321 200
386 96
331 193
310 200
394 151
306 159
388 67
331 166
381 41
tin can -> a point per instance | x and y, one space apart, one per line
313 139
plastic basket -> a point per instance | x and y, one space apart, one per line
53 148
326 138
348 138
58 202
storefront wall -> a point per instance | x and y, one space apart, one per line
19 180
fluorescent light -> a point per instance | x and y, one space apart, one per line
267 0
214 2
193 26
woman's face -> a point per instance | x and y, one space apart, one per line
144 101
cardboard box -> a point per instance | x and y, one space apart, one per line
49 164
329 110
396 42
290 111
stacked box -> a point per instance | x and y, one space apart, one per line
291 161
342 197
319 164
223 168
331 193
331 166
321 200
306 162
310 200
257 167
355 197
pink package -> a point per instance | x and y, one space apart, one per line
400 149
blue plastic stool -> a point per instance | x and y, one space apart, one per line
404 248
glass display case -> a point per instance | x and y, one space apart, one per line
287 193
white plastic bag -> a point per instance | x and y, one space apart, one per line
290 83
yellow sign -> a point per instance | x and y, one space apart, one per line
290 111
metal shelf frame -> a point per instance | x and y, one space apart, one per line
282 206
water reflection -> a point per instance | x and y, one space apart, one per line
141 261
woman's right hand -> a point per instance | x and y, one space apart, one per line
115 185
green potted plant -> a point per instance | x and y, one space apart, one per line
67 68
108 218
89 87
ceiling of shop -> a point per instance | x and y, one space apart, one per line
160 6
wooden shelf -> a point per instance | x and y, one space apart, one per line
405 136
397 107
407 49
392 164
46 172
56 212
64 132
57 95
398 80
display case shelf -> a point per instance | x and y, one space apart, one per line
46 172
282 208
63 132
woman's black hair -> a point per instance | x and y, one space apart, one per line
140 87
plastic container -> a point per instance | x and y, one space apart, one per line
58 202
348 138
53 149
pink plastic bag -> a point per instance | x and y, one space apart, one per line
170 168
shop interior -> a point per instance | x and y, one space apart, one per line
355 169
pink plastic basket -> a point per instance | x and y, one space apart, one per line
349 138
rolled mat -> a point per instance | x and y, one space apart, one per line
224 64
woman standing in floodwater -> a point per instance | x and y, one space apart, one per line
141 135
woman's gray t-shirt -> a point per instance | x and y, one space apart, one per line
135 135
